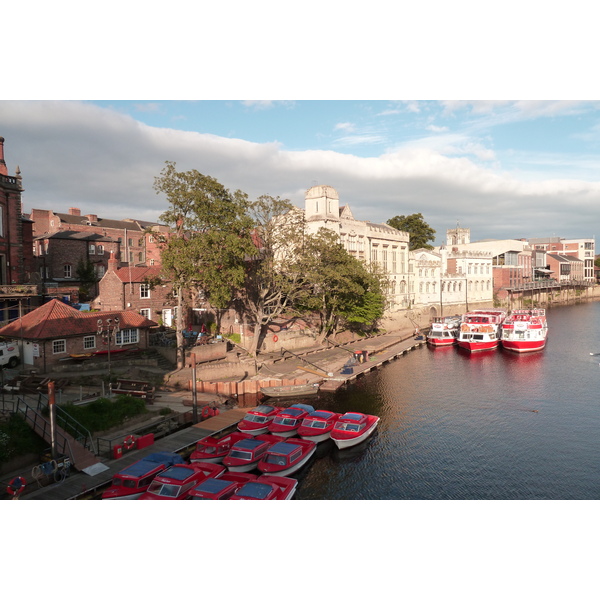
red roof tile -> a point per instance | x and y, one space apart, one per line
137 274
55 319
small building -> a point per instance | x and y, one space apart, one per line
54 331
140 289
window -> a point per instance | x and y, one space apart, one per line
127 336
67 271
140 241
92 249
151 262
145 312
89 342
130 242
140 257
144 290
100 270
59 346
100 250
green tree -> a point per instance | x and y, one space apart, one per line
210 242
274 277
420 232
86 274
341 289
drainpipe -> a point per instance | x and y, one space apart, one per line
52 408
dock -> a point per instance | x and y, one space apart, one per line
81 486
374 362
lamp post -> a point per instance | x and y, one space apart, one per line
107 328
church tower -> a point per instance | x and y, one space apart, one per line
322 203
458 236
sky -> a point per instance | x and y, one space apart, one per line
504 169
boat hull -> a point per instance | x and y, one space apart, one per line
242 468
441 343
478 346
524 346
348 442
317 438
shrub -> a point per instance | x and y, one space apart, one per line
104 414
16 439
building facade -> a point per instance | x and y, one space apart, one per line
370 242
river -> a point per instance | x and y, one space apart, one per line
458 426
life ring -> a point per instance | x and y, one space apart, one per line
206 412
275 338
129 442
16 486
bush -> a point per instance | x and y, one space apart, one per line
16 439
236 338
105 414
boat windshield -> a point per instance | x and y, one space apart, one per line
314 424
241 454
348 427
207 449
285 421
167 490
254 490
275 459
255 419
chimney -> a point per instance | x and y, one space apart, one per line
75 212
92 218
3 169
113 263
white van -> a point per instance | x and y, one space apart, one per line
9 355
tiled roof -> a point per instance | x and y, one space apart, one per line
75 235
137 274
55 319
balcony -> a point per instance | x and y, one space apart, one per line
19 290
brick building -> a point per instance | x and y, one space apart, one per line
53 331
17 291
127 287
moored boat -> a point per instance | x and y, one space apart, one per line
245 454
176 481
443 331
214 450
134 480
285 458
525 330
287 421
317 426
290 391
267 487
352 428
220 488
480 330
258 419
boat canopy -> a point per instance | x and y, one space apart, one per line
212 485
306 407
178 473
252 489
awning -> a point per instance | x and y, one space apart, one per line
544 271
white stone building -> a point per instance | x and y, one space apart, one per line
369 242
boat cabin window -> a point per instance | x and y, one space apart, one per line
255 419
208 449
317 424
286 421
165 489
348 427
276 459
296 454
146 480
241 454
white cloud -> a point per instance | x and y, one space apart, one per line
76 154
344 127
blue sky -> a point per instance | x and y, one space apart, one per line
506 169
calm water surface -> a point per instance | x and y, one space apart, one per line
455 425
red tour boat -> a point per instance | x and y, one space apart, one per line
286 423
285 458
245 454
258 419
443 331
267 487
525 330
176 481
214 450
318 425
133 481
220 488
353 428
480 330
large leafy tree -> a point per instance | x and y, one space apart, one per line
420 232
86 273
211 240
274 275
341 289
